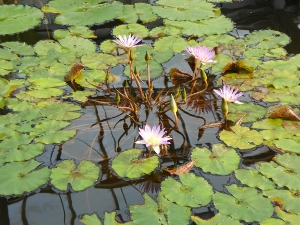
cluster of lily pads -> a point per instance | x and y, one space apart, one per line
41 104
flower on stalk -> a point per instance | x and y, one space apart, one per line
202 53
229 94
128 42
153 137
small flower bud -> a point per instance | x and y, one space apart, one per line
147 56
135 71
224 107
203 75
131 56
173 105
183 95
117 98
125 83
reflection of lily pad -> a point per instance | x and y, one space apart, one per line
18 18
248 111
220 160
79 177
253 178
244 204
218 219
19 177
193 191
128 164
241 137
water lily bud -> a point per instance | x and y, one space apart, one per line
183 95
177 92
224 107
135 71
125 83
117 98
173 105
203 75
147 56
131 56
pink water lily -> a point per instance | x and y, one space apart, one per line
128 42
153 137
229 94
202 53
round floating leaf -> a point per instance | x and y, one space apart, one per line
47 127
140 214
14 142
136 29
78 31
188 10
220 160
273 221
289 161
248 111
267 39
287 200
279 65
79 45
79 177
293 127
177 44
288 145
142 11
45 92
218 25
281 176
163 31
18 18
92 219
289 218
109 218
20 177
57 137
128 164
48 82
244 204
176 214
60 111
81 96
99 61
193 191
43 46
241 137
19 48
253 178
218 219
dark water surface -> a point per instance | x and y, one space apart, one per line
104 140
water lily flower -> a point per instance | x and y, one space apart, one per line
128 42
229 94
202 53
153 137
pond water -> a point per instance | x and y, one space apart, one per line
104 132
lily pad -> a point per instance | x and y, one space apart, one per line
78 31
45 92
241 137
253 178
109 218
218 219
92 219
18 18
272 221
99 61
163 31
52 137
193 191
248 111
79 45
60 110
126 29
177 44
220 160
20 177
19 48
129 164
80 96
289 218
244 204
79 177
138 11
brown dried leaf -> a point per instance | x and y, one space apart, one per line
179 77
182 169
283 112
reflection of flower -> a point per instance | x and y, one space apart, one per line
202 53
229 94
153 137
129 42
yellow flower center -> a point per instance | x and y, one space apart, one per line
153 140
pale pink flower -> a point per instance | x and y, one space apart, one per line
202 53
128 42
153 137
229 94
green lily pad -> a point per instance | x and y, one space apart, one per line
279 65
45 92
177 44
48 127
78 31
289 218
142 11
94 77
99 61
80 96
193 191
248 111
293 127
14 142
128 164
109 218
267 39
288 145
20 177
163 31
18 18
241 137
222 61
53 137
289 161
43 46
253 178
79 45
19 48
244 204
218 219
218 25
92 219
272 221
126 29
83 13
280 175
79 177
287 200
40 83
188 10
60 110
220 160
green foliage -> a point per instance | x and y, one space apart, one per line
79 177
244 204
129 164
220 160
218 219
92 219
109 218
135 29
138 11
248 111
78 31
